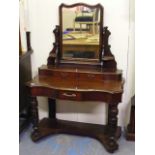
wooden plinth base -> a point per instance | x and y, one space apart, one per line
54 126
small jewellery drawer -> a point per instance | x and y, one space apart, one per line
63 75
90 76
69 95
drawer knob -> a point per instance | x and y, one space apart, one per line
69 95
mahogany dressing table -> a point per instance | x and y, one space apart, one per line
70 75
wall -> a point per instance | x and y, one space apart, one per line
43 16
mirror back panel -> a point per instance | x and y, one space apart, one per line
81 32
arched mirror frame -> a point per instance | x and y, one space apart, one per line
106 58
83 61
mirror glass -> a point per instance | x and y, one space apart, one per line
81 32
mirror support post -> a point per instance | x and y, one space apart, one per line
53 56
108 59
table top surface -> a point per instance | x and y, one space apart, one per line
108 86
74 83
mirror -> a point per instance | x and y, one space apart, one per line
81 27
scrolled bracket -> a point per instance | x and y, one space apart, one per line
106 46
53 55
108 58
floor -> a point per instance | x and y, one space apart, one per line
69 145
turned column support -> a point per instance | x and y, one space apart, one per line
52 108
35 117
112 125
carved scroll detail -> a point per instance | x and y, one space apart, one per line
52 59
107 57
106 34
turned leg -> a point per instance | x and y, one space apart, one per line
35 117
112 126
52 108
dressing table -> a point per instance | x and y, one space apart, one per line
78 73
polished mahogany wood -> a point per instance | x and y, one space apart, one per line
78 81
54 55
106 57
112 124
82 90
85 71
54 126
77 84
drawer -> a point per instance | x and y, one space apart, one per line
90 76
64 75
69 95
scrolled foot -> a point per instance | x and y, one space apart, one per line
112 144
35 135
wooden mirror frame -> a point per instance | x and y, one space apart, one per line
106 58
84 60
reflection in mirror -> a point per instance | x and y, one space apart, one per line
80 29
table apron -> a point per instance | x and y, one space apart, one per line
110 98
